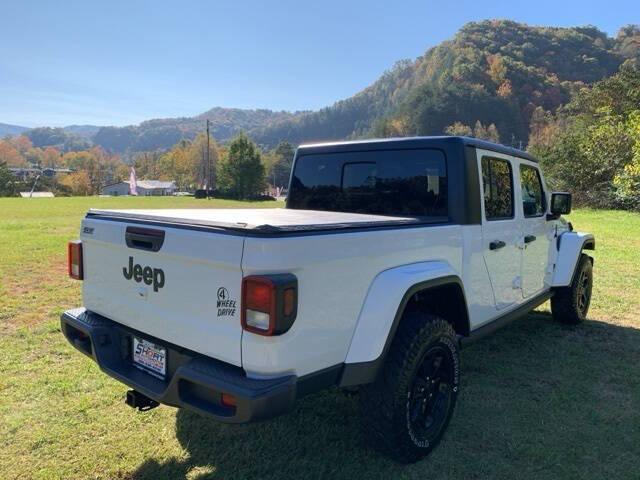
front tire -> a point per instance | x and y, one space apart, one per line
407 409
570 304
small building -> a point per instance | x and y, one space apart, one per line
24 172
144 188
30 172
50 172
36 195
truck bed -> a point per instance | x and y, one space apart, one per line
256 220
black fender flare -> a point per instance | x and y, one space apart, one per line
366 372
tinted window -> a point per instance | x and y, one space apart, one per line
498 188
390 182
533 201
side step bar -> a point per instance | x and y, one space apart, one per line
506 319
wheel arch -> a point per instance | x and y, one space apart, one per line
445 296
570 247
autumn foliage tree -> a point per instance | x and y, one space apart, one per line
78 183
183 164
10 155
479 130
50 158
592 146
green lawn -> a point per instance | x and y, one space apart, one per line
538 400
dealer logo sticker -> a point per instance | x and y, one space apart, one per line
226 306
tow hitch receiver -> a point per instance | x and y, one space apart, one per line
137 400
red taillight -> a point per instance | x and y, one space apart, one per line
258 305
269 303
74 253
259 294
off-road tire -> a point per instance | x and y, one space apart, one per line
570 304
386 405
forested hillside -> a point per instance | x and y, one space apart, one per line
492 72
591 146
59 138
164 133
6 129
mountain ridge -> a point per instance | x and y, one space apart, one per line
8 129
491 72
487 67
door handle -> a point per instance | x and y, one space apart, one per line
144 238
529 238
496 245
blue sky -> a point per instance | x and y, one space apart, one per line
121 62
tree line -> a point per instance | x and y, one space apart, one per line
89 169
238 170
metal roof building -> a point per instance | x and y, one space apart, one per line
145 188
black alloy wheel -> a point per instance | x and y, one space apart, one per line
430 397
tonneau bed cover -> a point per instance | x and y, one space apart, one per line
257 220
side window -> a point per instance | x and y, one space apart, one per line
497 180
533 201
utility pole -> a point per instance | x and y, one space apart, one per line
203 179
208 162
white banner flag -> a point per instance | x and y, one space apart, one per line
133 187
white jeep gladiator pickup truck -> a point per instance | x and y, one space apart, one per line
389 257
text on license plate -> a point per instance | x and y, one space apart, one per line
149 356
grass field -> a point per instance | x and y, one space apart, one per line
538 400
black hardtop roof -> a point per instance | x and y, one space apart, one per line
411 142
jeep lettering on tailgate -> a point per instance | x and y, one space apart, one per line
147 274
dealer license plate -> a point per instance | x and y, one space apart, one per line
150 357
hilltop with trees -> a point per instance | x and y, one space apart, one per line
492 72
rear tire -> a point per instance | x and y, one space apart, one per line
405 412
570 304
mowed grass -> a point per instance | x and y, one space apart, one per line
539 400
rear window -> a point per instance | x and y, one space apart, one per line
390 182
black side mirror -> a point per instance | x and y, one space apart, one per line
560 204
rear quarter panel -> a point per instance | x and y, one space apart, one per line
335 273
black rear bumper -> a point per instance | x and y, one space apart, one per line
192 381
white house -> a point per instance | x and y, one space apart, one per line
145 188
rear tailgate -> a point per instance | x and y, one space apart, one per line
189 295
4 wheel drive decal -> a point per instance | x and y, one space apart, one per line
147 275
226 306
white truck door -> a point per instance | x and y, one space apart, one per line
536 234
501 228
